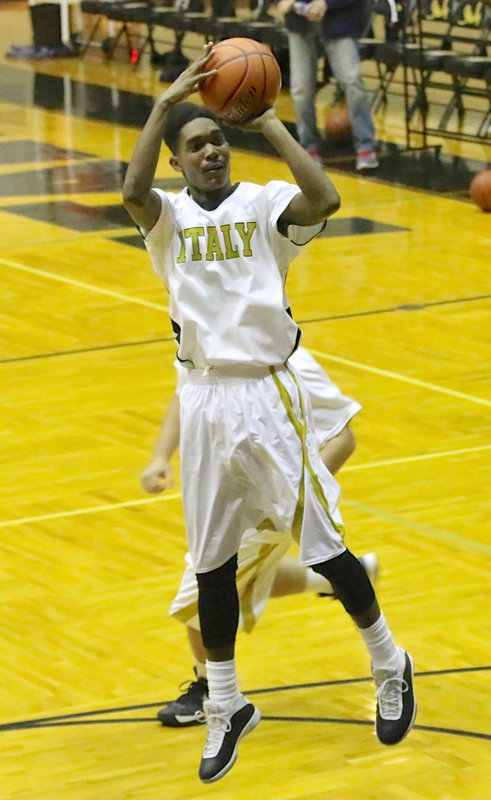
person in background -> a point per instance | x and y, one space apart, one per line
336 25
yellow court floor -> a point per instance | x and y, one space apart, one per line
394 303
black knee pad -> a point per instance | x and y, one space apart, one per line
218 605
349 581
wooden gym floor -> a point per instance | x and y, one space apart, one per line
394 302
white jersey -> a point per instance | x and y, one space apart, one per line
225 271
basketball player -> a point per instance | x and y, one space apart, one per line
263 569
249 457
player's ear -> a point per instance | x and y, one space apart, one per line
174 162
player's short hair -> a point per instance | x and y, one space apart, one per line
178 117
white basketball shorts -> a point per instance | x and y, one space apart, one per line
250 462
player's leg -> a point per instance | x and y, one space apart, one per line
216 504
228 714
322 548
392 667
332 412
260 552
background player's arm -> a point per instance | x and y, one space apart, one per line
158 475
318 197
143 204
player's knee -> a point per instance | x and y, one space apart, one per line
350 582
218 605
219 578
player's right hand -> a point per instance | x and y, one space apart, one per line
157 476
284 7
188 81
258 123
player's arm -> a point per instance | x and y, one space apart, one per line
143 204
158 474
318 197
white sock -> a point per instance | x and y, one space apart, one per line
316 583
381 646
223 687
200 668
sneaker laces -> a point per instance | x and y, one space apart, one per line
389 695
218 724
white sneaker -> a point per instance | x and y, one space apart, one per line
396 705
225 730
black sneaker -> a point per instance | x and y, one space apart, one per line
182 712
224 734
396 705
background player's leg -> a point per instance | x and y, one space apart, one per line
292 578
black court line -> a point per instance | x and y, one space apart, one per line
95 349
264 718
81 718
329 318
402 307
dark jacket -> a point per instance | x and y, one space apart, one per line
343 18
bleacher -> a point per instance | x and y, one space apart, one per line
434 49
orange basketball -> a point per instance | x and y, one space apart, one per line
337 121
481 190
247 81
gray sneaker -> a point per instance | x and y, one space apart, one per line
366 159
181 713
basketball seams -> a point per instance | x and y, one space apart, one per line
265 77
244 77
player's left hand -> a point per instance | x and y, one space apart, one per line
189 79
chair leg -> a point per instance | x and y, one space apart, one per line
92 34
455 103
385 79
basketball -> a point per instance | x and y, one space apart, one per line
481 190
337 121
247 81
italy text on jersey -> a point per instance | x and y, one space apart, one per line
217 243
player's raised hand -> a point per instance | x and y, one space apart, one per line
189 80
157 476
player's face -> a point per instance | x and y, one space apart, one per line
203 155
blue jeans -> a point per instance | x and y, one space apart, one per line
344 61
